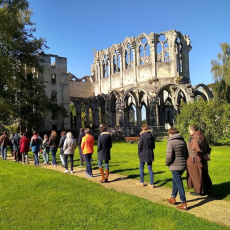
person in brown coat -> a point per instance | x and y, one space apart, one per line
197 176
176 157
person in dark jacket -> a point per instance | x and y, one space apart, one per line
198 177
61 143
35 144
146 146
104 144
53 143
15 147
4 143
176 157
81 134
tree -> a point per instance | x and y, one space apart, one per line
211 117
22 95
221 74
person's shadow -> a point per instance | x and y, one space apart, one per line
218 192
203 200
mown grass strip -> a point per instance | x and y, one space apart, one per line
36 198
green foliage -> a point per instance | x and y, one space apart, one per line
212 118
221 74
22 95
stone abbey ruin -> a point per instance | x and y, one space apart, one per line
144 79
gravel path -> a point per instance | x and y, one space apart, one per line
204 207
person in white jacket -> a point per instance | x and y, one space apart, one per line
69 147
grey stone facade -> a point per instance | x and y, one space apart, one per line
144 79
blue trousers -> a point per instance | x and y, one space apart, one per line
178 185
149 164
88 163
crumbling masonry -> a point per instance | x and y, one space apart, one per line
144 79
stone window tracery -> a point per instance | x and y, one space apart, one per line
179 57
116 62
128 57
105 64
144 52
162 49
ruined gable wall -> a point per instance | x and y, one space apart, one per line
135 61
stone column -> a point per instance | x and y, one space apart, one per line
108 112
139 117
78 117
153 112
152 47
71 120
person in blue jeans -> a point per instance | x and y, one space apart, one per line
35 144
146 145
176 159
4 141
46 149
53 143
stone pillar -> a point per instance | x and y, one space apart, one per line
153 112
78 117
87 116
71 120
108 112
139 117
152 47
120 112
121 66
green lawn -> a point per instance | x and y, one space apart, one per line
124 161
38 198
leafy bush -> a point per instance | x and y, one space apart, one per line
212 117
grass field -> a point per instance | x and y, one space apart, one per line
125 161
37 198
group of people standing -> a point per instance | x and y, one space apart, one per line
67 145
180 156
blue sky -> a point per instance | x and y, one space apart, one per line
74 28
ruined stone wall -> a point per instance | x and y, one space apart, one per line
56 82
142 59
81 89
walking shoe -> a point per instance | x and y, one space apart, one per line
89 175
140 184
150 185
66 171
195 194
182 206
72 172
172 200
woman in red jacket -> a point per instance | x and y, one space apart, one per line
24 148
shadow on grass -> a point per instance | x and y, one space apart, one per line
125 178
220 191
